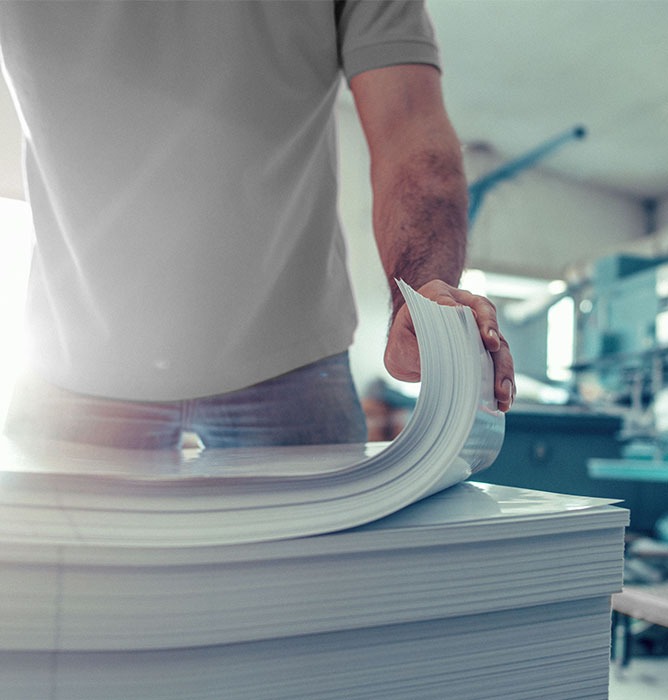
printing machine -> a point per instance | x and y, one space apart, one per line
612 440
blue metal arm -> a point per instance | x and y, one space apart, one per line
479 188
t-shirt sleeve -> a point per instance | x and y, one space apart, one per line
375 34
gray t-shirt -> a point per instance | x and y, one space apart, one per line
181 167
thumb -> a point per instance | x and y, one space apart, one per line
402 356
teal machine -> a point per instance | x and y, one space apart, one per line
621 348
612 441
622 361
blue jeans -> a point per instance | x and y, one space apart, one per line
315 404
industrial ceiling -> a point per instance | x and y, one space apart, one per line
518 72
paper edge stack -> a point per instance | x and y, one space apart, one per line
514 607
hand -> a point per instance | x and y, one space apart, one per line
402 358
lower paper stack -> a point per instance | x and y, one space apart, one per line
478 592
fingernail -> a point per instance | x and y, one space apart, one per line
508 388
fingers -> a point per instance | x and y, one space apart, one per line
496 344
483 309
504 375
402 358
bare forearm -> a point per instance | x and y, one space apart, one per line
419 218
420 210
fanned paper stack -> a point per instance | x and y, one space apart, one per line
305 572
271 493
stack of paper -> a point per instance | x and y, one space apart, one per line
480 591
306 572
273 493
